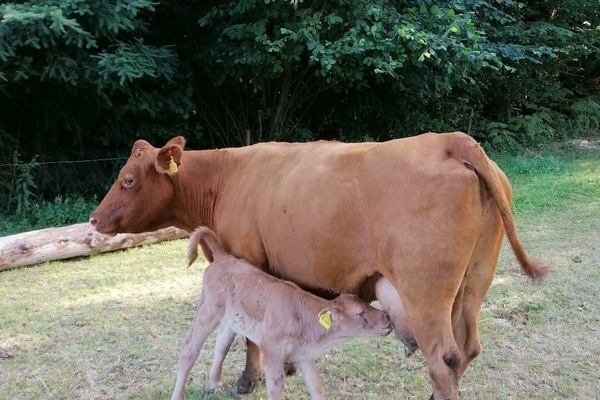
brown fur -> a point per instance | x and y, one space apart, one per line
428 213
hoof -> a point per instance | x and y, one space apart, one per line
217 387
245 385
410 346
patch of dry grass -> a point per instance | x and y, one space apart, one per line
110 326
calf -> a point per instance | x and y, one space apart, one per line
287 323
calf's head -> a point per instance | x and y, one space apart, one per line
355 317
141 199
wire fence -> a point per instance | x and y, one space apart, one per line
64 162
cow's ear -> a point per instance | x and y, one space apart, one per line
176 141
168 159
139 147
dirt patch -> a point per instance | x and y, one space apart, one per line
502 321
5 354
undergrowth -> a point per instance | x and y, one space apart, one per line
46 214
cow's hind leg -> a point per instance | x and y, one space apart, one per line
206 320
436 341
477 281
428 305
252 372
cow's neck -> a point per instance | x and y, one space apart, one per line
197 188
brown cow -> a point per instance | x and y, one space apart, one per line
287 323
428 213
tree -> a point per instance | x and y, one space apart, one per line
86 69
77 76
80 78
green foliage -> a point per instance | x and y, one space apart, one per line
82 79
344 50
85 61
534 129
586 116
129 62
25 209
21 194
62 211
46 214
521 131
499 136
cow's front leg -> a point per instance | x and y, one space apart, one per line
252 371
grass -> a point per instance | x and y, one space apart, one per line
110 326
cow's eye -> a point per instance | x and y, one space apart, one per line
127 182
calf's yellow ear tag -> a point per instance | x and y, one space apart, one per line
325 319
172 166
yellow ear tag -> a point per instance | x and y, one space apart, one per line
172 166
325 319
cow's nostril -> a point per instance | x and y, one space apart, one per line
93 221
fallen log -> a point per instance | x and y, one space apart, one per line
77 240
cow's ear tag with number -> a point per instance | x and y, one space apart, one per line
172 166
325 318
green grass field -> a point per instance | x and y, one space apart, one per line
110 326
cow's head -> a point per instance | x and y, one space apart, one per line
141 199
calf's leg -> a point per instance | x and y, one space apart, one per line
312 378
207 318
225 337
274 374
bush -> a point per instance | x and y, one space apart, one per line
523 131
586 117
59 212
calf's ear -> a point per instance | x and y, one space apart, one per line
325 317
168 159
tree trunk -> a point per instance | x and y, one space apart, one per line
77 240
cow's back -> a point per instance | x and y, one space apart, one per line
327 214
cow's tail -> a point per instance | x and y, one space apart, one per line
470 153
206 238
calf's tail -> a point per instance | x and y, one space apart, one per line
210 244
470 153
